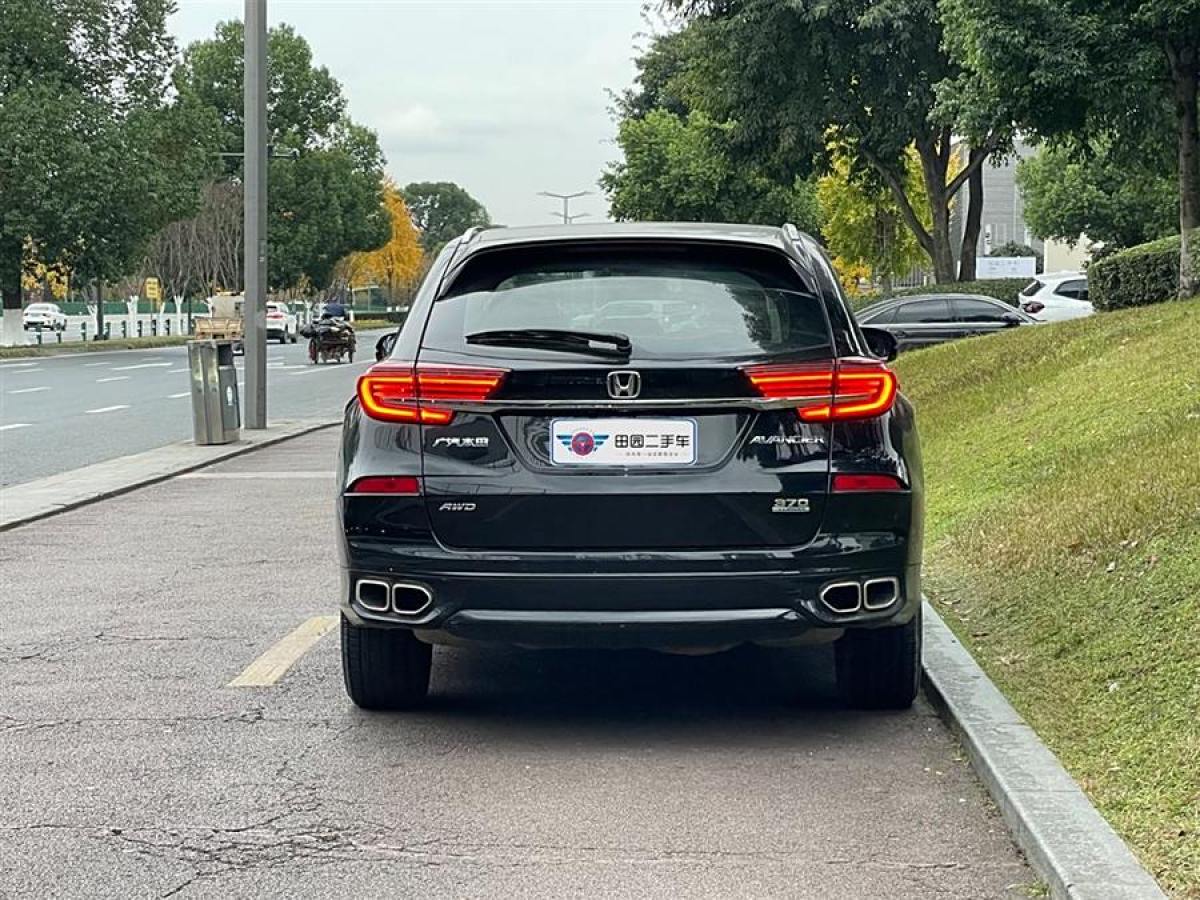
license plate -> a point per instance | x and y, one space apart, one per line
623 442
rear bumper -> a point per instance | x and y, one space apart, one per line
628 600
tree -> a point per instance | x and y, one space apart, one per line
201 254
793 74
1071 190
323 205
399 262
681 169
305 104
1093 68
441 211
94 154
680 163
325 202
862 223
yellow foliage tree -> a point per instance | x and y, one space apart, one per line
57 279
398 263
863 226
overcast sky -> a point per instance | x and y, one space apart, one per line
506 98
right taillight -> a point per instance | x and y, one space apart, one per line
849 389
398 393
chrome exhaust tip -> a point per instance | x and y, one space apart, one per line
410 599
880 593
843 597
373 595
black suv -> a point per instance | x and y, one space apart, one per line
659 435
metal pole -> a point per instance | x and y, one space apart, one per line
255 210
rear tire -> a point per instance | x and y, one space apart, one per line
880 668
384 668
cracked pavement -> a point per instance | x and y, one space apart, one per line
129 769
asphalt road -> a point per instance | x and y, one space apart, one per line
130 768
62 412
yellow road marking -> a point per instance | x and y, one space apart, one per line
273 665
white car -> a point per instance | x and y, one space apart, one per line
1056 296
282 325
39 316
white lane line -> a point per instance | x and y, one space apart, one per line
177 396
149 365
113 378
104 409
173 371
254 476
29 390
16 425
23 365
93 365
273 665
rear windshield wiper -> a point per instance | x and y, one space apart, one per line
597 343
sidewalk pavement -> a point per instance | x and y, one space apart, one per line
130 766
30 501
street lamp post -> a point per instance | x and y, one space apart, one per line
566 199
255 212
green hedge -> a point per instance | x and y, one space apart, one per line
1139 276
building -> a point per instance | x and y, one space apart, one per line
1003 207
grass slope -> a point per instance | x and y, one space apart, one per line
1063 546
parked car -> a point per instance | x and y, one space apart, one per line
746 474
39 316
925 319
1056 296
282 324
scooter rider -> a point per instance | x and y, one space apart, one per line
333 310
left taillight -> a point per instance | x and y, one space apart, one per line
849 389
398 393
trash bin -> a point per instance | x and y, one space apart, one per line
216 415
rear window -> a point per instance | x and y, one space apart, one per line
968 310
1032 288
922 311
1076 289
703 302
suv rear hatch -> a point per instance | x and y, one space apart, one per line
619 413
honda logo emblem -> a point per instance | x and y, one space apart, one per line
624 384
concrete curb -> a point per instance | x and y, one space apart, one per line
34 500
1065 839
